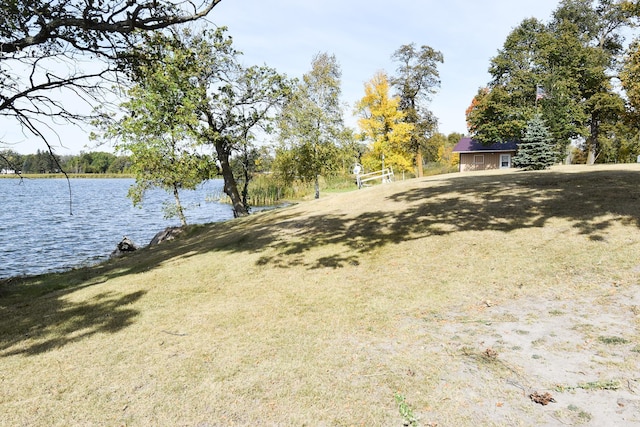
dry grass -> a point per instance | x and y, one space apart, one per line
460 293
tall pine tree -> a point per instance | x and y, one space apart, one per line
536 150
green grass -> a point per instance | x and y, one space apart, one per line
406 411
613 340
600 385
591 385
318 313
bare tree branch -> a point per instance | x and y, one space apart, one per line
52 20
57 56
44 42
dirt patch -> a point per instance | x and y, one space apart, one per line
535 361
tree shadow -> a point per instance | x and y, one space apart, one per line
34 326
33 309
591 202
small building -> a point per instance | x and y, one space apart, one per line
476 156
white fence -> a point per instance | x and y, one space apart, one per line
386 175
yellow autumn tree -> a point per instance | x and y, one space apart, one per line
381 122
446 157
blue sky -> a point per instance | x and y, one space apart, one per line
286 34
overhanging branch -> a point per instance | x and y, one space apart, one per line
123 18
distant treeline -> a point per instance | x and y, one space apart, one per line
43 162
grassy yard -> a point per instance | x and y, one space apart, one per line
452 300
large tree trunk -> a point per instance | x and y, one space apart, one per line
419 164
247 178
317 186
230 186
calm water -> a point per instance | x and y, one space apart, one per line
38 235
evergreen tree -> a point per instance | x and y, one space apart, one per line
536 150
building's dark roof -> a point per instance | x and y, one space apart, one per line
468 145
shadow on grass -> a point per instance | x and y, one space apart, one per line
590 201
35 326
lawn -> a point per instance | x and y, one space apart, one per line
452 300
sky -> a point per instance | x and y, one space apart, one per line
286 34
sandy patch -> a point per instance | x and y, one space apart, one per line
583 352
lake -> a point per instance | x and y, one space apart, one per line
39 235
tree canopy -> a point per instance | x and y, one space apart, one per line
383 125
156 131
416 79
57 57
311 122
192 90
562 70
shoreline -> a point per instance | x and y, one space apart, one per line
61 175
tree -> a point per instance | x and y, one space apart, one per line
561 70
631 6
433 146
121 164
247 163
221 103
416 80
67 49
630 75
350 151
155 131
535 152
599 31
11 160
382 123
500 112
630 78
311 121
621 145
91 162
449 158
245 105
41 162
440 149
